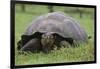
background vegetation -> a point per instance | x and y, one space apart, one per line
24 14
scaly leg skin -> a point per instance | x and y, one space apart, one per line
65 44
33 45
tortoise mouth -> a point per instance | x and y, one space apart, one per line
47 45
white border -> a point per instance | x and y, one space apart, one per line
5 34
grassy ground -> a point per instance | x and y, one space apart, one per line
84 52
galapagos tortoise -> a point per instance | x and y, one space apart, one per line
52 28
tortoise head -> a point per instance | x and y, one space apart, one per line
47 41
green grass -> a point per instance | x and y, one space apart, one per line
77 54
84 52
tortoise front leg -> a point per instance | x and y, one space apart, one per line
65 44
57 43
33 45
